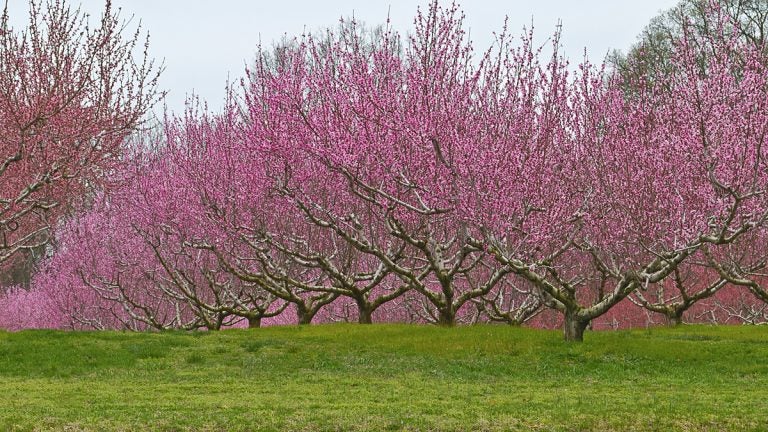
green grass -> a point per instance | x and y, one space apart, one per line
386 377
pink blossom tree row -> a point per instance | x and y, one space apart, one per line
412 178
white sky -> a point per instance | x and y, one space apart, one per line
205 41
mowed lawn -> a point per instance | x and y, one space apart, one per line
386 377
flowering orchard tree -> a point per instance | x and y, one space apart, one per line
92 278
260 236
69 95
231 213
728 112
366 136
131 258
649 179
120 278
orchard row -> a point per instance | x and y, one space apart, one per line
363 175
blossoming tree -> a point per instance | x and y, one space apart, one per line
69 95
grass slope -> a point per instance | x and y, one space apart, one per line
386 377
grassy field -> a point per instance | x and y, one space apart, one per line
386 377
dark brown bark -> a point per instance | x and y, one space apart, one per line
447 317
254 322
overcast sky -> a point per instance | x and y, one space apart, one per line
202 42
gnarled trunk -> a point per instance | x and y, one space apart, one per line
364 312
304 315
675 317
574 326
446 317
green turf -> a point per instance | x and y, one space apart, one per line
386 377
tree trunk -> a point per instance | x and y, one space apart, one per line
254 322
675 317
574 328
364 312
447 317
304 315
